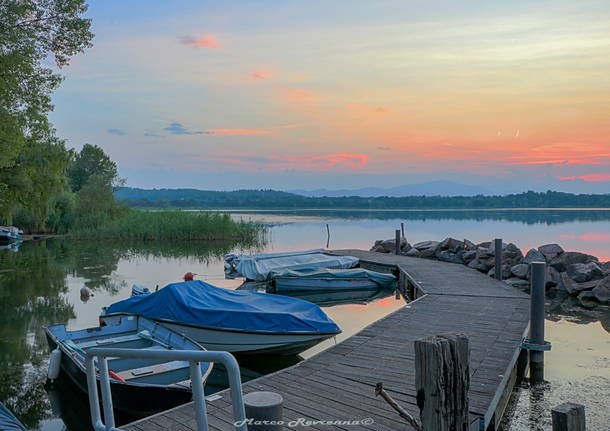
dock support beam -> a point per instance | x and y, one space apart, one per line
442 379
498 254
569 417
538 271
398 241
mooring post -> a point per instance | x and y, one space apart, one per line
327 235
538 271
398 240
568 417
402 229
442 379
498 254
264 411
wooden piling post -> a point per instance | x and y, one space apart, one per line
442 379
568 417
498 254
398 240
327 235
402 229
538 282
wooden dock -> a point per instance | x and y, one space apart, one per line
338 383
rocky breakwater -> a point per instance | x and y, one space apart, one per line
579 274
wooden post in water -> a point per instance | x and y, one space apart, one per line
398 240
498 253
402 229
442 379
538 271
568 417
327 235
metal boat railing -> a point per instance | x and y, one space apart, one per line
192 356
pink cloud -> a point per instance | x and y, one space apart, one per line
206 41
239 132
261 74
590 178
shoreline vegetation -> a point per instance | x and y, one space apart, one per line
266 199
170 225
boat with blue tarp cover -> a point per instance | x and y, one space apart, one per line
235 321
10 234
140 387
8 421
329 280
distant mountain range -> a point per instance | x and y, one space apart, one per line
430 188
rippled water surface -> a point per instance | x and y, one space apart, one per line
40 283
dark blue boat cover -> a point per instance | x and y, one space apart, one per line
200 304
8 422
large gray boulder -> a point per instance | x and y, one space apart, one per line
550 251
561 261
389 245
602 291
518 283
469 245
448 256
574 288
469 255
413 252
534 255
521 271
581 272
478 265
450 244
426 245
605 267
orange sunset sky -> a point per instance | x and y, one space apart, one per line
346 94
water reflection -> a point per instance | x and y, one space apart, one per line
37 287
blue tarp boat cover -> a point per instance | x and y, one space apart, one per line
385 280
8 422
197 303
258 266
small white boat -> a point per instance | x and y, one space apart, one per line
258 266
234 321
140 387
9 234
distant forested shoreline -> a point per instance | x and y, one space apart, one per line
265 199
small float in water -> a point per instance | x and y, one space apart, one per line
140 387
329 280
258 266
242 322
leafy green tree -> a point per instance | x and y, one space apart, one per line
31 32
92 161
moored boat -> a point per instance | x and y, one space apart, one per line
235 321
140 387
9 234
258 266
329 280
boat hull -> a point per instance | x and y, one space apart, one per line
241 342
286 285
135 401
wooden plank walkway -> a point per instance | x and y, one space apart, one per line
338 383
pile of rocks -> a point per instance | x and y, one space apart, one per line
579 274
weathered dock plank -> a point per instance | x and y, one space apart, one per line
338 384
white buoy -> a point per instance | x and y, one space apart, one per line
54 364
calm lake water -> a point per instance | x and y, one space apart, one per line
40 283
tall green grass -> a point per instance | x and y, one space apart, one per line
170 225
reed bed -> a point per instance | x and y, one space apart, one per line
170 225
